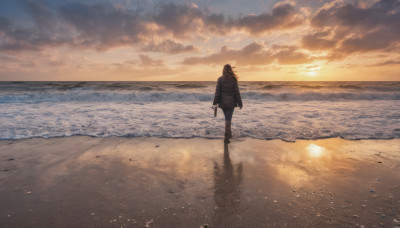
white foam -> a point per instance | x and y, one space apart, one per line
287 120
79 95
282 110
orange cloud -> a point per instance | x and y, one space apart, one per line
356 28
145 60
318 41
253 54
169 46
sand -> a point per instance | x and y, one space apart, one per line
150 182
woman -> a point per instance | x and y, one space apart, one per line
227 96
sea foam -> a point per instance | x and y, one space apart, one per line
272 110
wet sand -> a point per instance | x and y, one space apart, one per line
149 182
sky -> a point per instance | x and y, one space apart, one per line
161 40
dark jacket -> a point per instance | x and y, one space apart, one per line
227 93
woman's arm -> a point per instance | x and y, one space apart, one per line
237 94
217 92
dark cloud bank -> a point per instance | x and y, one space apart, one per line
349 28
103 26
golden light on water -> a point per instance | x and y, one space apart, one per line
315 150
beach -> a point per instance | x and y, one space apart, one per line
83 181
115 114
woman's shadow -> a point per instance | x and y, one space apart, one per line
227 191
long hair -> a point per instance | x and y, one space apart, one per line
228 72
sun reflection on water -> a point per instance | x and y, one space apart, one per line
315 150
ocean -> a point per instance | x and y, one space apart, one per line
272 110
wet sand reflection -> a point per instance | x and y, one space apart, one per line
227 183
315 150
306 161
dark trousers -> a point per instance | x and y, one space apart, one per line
228 112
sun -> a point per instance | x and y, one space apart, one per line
311 70
312 73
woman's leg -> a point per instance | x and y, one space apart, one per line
228 114
224 110
228 118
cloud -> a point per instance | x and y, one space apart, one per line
104 25
292 56
346 15
27 65
145 60
385 63
339 29
185 20
181 20
356 27
379 39
283 16
318 41
15 40
43 17
5 58
252 54
46 32
4 24
100 26
169 46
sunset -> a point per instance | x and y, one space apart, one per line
203 114
132 40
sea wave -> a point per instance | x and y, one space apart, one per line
286 120
85 95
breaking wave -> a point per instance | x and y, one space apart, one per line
272 110
146 94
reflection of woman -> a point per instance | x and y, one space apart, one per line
227 191
227 96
